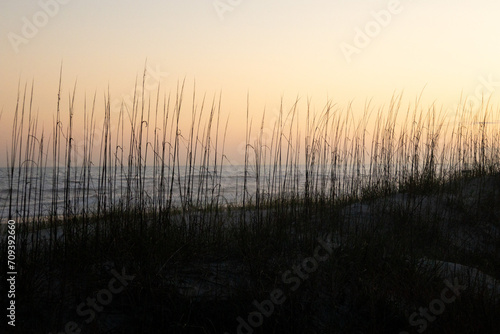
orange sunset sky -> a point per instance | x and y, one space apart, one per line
337 50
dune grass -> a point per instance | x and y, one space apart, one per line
397 185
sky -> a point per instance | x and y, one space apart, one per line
337 50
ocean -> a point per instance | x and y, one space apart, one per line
35 192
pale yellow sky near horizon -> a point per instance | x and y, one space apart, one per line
339 50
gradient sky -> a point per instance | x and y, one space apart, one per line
269 49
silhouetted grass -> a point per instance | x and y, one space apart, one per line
392 188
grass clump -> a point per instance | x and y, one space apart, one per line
401 194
